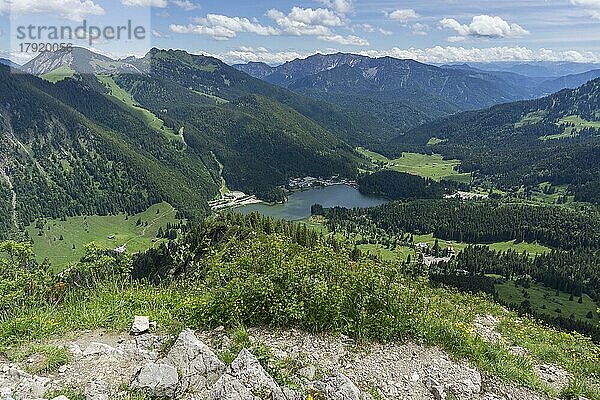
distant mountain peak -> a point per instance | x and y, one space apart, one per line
78 59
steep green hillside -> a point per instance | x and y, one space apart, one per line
212 77
69 150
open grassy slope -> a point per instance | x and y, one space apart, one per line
427 166
107 231
545 301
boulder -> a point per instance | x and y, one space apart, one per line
199 367
156 380
61 397
337 387
140 325
247 369
230 388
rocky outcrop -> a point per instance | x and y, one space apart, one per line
337 387
297 365
157 380
199 367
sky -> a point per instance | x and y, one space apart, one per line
275 31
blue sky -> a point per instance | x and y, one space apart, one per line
275 31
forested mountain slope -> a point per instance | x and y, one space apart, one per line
62 156
552 139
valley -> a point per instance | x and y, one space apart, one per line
464 216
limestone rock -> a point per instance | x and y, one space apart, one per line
437 390
308 372
157 380
230 388
247 369
200 368
337 387
97 390
61 397
6 393
140 325
95 349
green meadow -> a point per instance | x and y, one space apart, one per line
107 231
545 301
151 120
427 166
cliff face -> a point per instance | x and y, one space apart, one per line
240 365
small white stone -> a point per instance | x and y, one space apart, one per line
140 325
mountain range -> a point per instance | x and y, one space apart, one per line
405 93
93 135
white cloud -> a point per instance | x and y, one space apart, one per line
371 29
260 54
433 55
441 54
75 10
484 26
158 34
345 40
314 22
366 28
223 27
591 6
420 29
301 18
145 3
237 24
403 15
454 39
187 5
217 33
339 6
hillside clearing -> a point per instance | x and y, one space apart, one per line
427 166
107 231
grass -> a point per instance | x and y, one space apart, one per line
424 165
531 248
151 119
531 118
400 253
43 359
59 74
267 280
572 131
544 300
108 231
433 141
71 394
